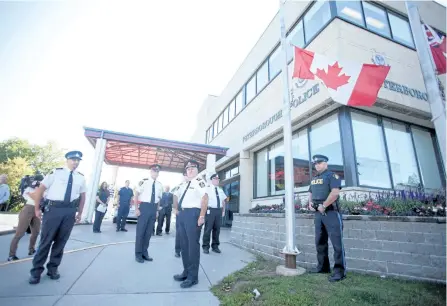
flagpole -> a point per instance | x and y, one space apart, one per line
290 251
428 72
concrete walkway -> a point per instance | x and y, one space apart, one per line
99 269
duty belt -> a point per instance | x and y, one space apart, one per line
62 204
333 206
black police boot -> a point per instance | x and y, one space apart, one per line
13 258
206 251
315 270
123 230
139 259
54 275
216 250
118 230
34 280
31 252
336 278
177 254
147 258
180 277
188 283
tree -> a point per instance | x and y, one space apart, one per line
15 169
47 158
16 147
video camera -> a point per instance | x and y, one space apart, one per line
32 181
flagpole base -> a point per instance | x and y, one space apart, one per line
284 271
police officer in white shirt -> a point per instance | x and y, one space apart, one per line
214 214
65 195
148 197
190 203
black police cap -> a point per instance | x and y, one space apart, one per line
213 176
190 163
155 167
318 158
74 155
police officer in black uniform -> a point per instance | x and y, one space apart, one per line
324 199
65 196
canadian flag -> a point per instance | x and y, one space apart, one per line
348 83
437 47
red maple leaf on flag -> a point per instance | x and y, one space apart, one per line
332 79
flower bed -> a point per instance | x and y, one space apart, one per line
390 203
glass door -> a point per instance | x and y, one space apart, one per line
231 189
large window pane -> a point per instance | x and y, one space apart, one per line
216 130
262 76
401 30
300 152
239 101
425 152
296 37
376 19
221 121
372 164
316 18
275 62
231 111
325 139
276 173
400 150
250 89
261 173
350 10
225 117
219 125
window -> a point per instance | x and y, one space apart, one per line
372 163
400 150
261 173
325 139
425 152
217 126
225 117
250 89
276 170
296 37
239 102
351 11
231 111
316 18
300 152
212 131
234 171
262 76
221 122
275 63
376 19
401 30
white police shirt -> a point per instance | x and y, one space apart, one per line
212 198
56 183
145 190
193 197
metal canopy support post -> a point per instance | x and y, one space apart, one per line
98 160
290 251
428 72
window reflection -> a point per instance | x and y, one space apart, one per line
300 151
261 173
250 89
316 18
275 62
376 19
400 150
401 30
296 37
350 10
262 77
239 102
276 170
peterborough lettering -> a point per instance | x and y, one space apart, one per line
405 90
262 126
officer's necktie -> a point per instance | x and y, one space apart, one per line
218 199
181 199
153 193
67 198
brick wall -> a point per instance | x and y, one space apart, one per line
406 247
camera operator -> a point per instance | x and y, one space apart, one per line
27 217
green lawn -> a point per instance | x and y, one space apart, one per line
309 289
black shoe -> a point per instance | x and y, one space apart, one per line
123 230
159 234
206 251
54 275
118 230
32 252
216 250
188 283
13 258
314 271
336 278
139 259
147 258
177 254
180 277
34 280
96 232
167 233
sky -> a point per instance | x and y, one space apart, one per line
140 67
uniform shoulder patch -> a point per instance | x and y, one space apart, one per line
335 176
141 183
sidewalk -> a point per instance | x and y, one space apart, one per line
99 269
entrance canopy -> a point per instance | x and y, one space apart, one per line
135 151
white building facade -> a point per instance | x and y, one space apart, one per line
389 146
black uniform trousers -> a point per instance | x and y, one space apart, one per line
330 225
145 224
165 212
178 247
57 224
98 220
213 221
123 212
190 241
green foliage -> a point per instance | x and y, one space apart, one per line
19 158
310 289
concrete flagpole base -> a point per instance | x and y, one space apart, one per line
284 271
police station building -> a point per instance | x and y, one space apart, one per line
391 145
